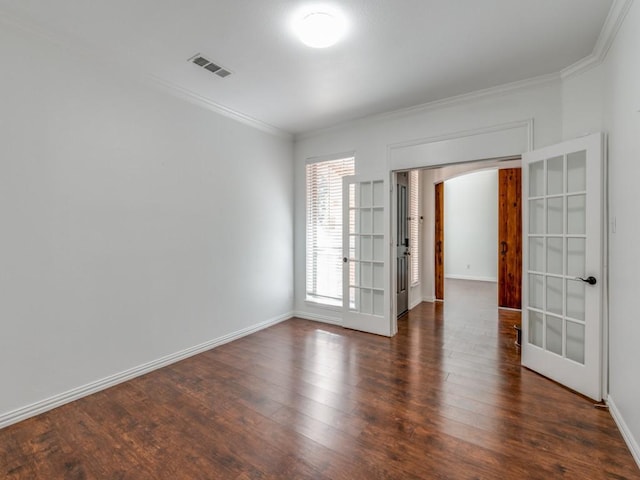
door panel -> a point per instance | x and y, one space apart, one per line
402 243
365 271
439 241
562 285
509 238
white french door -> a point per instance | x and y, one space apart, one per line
563 263
365 271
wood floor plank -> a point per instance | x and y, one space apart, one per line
446 398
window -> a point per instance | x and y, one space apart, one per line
324 229
414 225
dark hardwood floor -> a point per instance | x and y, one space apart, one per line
445 398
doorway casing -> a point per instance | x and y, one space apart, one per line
494 142
498 141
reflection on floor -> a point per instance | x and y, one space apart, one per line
464 296
445 398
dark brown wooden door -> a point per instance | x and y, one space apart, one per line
510 238
439 242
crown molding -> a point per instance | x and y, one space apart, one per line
195 98
471 96
464 98
610 28
612 24
501 127
69 45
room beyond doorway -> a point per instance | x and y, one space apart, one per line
482 295
476 226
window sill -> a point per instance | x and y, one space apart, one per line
327 304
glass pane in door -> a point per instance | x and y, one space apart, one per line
536 324
576 257
554 295
557 200
576 214
554 215
575 342
366 247
536 291
536 216
554 255
536 254
536 179
575 299
563 207
555 175
554 334
577 172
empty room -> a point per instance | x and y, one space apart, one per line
290 239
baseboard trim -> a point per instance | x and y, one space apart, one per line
429 299
509 309
471 277
415 303
318 318
58 400
631 442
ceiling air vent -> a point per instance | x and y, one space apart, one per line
200 61
212 67
209 65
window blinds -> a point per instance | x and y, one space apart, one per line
324 229
414 225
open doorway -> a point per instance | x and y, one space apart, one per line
504 246
477 229
466 228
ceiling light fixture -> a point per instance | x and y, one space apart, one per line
320 29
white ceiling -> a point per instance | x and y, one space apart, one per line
397 53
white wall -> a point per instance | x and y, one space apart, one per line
371 138
134 225
471 226
582 103
607 97
622 120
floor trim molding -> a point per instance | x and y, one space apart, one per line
60 399
319 318
631 442
415 303
474 278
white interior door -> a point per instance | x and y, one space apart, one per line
365 274
563 263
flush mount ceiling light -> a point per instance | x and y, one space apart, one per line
320 29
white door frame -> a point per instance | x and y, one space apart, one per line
497 141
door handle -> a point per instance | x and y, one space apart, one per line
345 259
590 280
